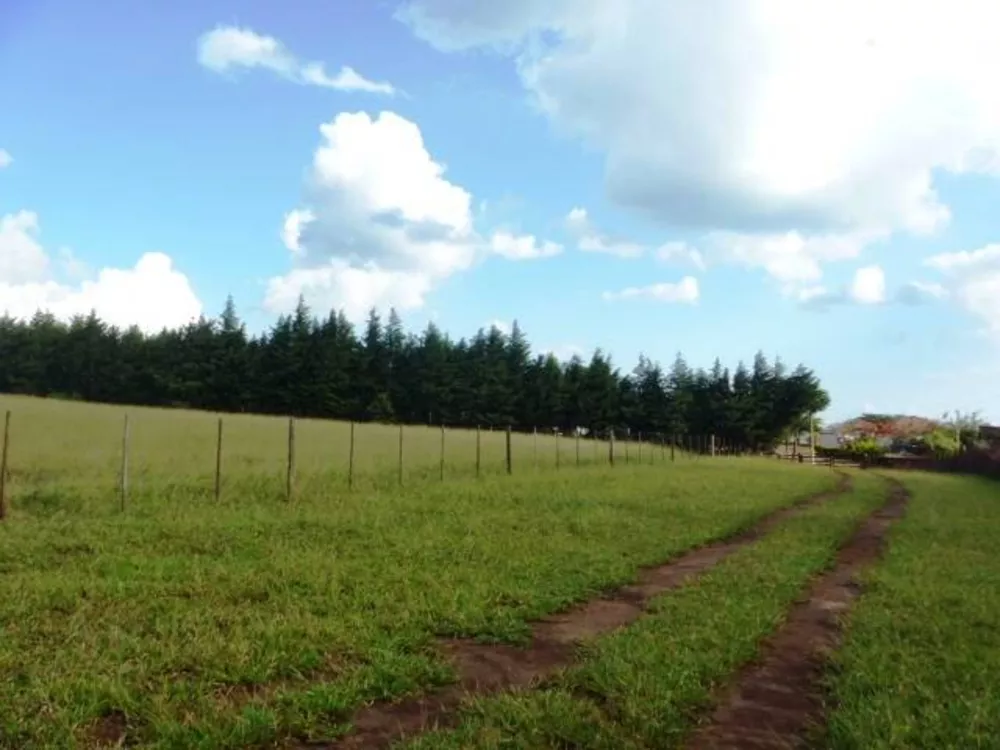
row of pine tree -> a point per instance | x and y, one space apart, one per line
306 366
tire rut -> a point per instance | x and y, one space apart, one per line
777 701
485 669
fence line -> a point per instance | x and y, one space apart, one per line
696 444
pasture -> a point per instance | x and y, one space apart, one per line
188 621
68 455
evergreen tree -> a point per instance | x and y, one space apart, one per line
307 367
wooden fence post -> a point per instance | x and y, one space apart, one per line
123 486
218 462
3 466
557 449
534 449
510 463
290 477
350 460
479 450
711 445
611 447
577 446
441 472
627 439
400 477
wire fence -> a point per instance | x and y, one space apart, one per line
72 455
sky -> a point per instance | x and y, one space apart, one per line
819 181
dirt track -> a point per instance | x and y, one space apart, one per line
777 701
490 668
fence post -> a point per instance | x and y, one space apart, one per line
400 455
123 487
479 450
577 446
290 478
442 454
627 440
350 460
534 449
510 465
557 449
611 447
218 462
3 466
673 447
711 445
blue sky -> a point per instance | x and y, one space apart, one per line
815 180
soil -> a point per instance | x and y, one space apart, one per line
108 731
484 669
778 700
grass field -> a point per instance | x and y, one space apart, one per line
921 664
203 624
250 622
67 455
641 687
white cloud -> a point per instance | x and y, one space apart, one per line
291 230
22 257
972 280
919 292
980 296
965 260
757 115
522 247
590 240
152 294
680 252
228 47
382 225
353 289
684 291
791 257
5 158
868 286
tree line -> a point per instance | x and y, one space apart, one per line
323 367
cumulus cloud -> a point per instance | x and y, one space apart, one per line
5 158
151 295
684 291
868 286
383 225
590 240
756 115
972 280
226 48
22 257
522 247
966 260
680 252
921 292
794 259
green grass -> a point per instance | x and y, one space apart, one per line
249 620
66 456
641 687
921 663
